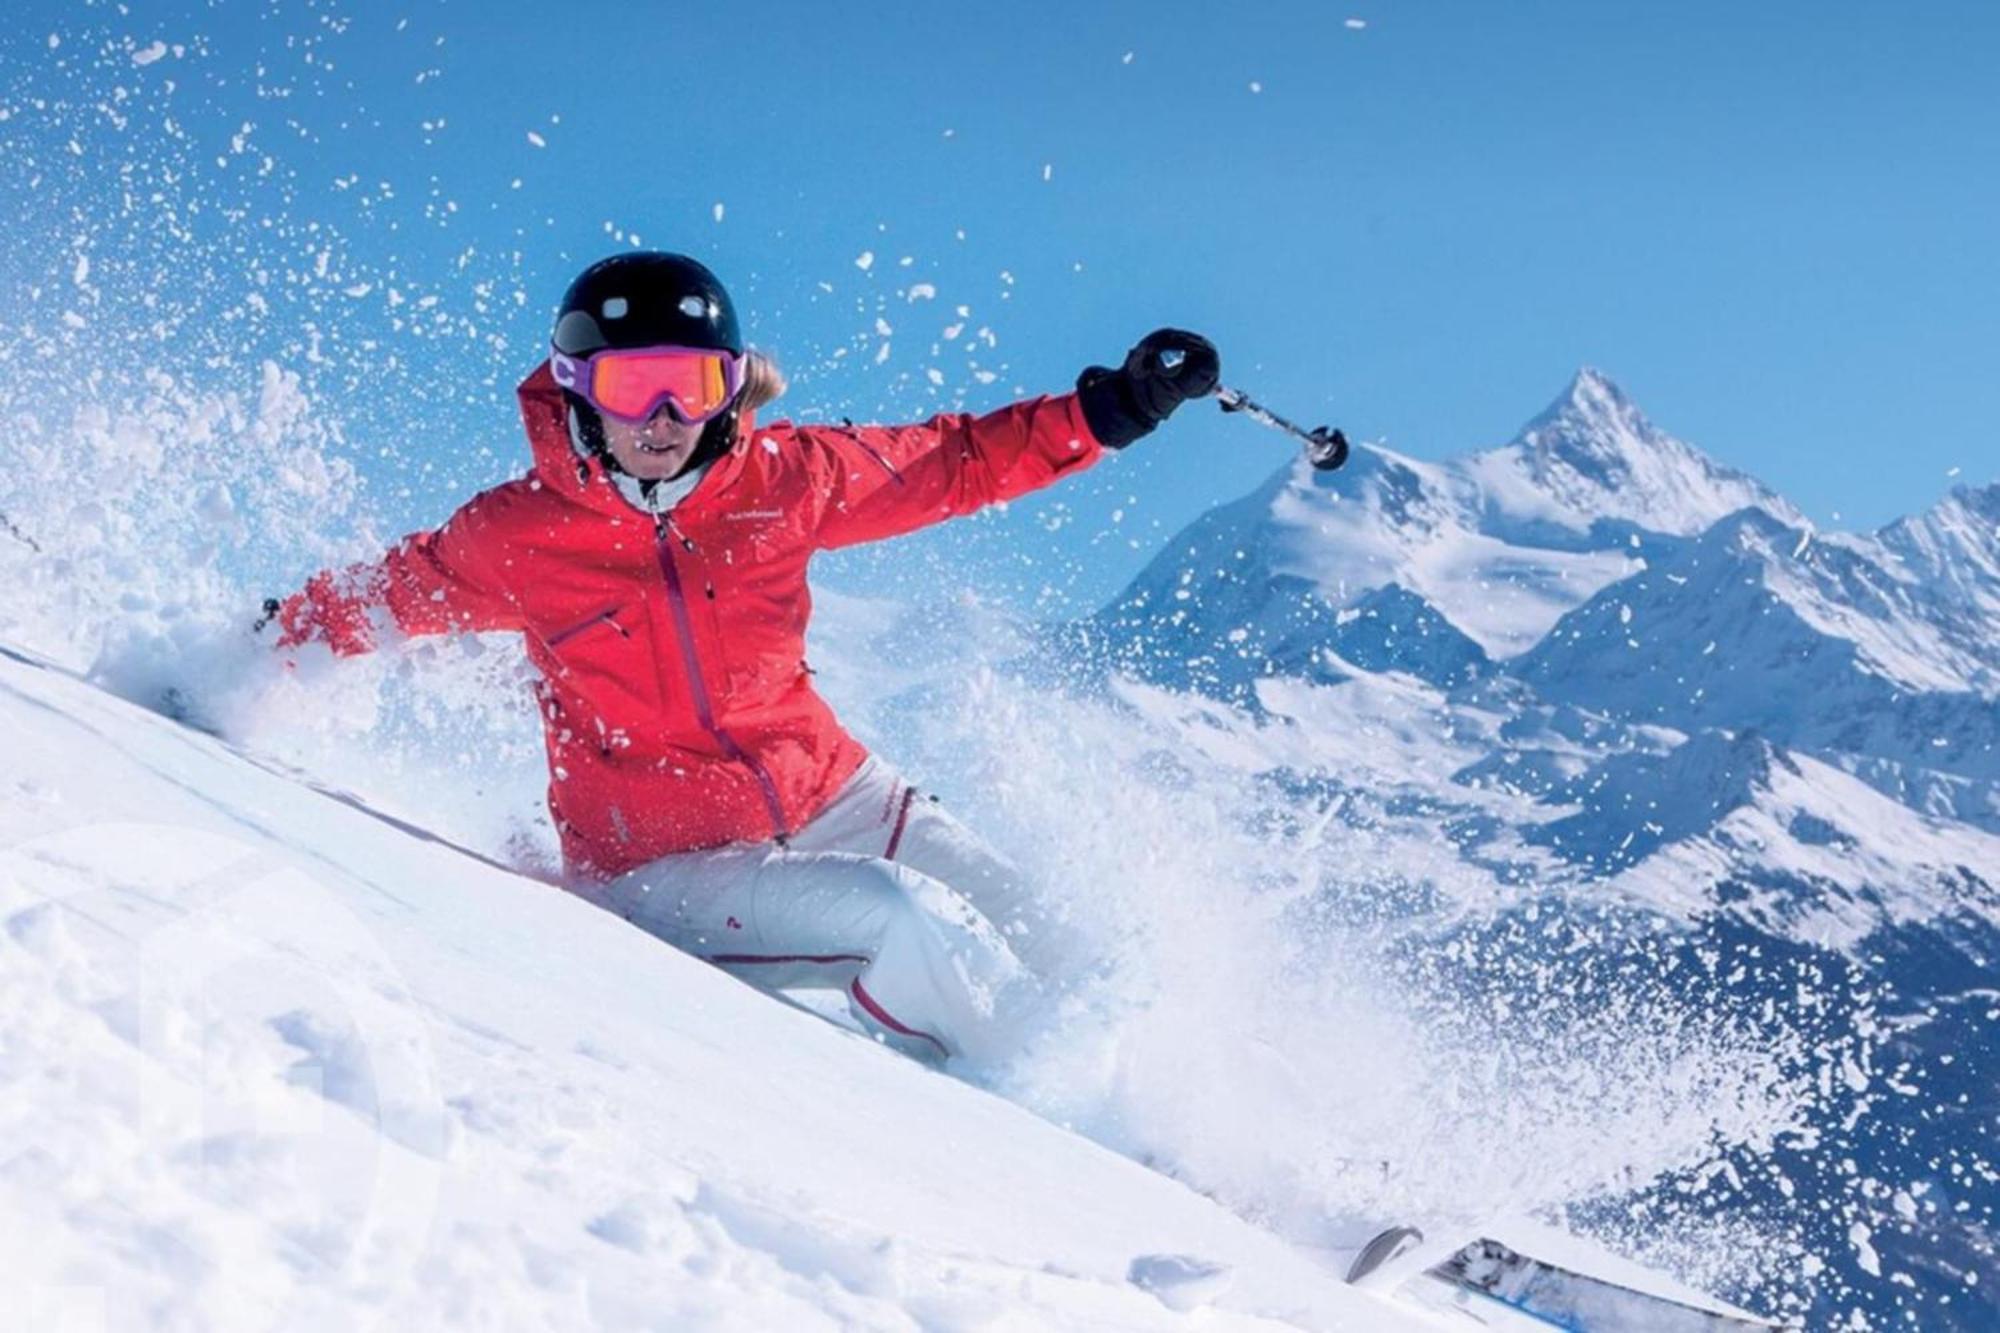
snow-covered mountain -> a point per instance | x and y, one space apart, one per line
1953 550
1607 565
1493 547
1591 462
1594 667
1832 643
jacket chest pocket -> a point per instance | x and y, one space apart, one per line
604 661
605 619
760 616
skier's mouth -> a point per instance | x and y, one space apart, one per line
646 448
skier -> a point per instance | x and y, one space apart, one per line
654 559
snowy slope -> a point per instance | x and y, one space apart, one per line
1495 545
272 1060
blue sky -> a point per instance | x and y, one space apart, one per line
1772 223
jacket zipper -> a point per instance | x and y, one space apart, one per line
608 615
691 662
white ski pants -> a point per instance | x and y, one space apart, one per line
883 895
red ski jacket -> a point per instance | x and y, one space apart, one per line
676 703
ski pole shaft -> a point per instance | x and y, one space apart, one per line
1325 446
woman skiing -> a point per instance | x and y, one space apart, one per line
654 560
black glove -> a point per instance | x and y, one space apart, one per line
1123 404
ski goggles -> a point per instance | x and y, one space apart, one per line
696 383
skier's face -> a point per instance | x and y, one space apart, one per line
654 449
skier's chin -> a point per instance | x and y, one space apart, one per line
657 467
653 464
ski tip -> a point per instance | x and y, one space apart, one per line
1386 1246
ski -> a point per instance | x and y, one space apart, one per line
1562 1298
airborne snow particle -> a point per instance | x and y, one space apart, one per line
718 211
1127 60
865 260
1864 1253
537 140
1357 24
1048 169
882 353
149 54
1256 87
922 291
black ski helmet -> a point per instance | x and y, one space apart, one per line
647 298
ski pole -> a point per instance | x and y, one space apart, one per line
1326 446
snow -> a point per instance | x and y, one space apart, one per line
293 1062
1871 1262
1403 910
1180 1281
1856 645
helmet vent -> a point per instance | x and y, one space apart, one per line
694 307
615 307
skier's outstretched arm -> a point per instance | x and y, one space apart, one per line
433 582
882 481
